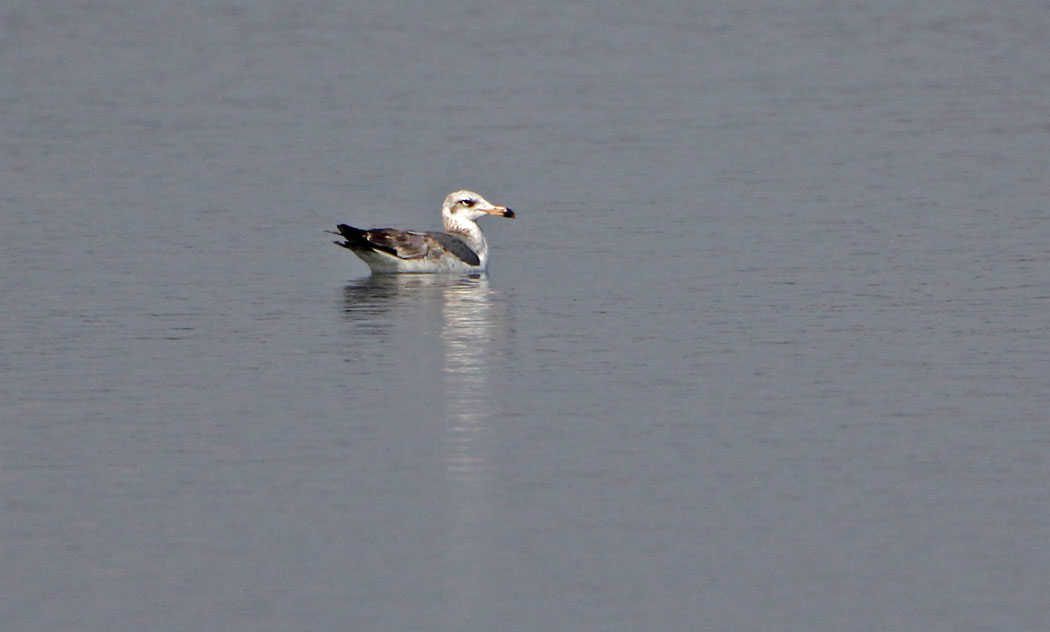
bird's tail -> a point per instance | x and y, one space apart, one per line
353 236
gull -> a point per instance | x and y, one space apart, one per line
461 248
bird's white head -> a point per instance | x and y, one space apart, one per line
469 206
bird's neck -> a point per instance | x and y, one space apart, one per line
469 232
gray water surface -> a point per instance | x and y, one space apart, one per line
766 348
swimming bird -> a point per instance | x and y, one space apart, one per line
461 248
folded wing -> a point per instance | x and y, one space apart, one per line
455 246
407 244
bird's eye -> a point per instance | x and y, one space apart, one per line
467 203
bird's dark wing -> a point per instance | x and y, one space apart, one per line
407 244
400 243
455 246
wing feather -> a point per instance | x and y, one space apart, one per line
455 246
401 243
405 244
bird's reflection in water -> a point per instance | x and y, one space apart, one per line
383 293
469 333
474 335
471 319
392 309
473 324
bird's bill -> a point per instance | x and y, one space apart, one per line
502 211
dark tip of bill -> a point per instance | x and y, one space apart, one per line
508 213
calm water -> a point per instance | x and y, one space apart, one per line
767 347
